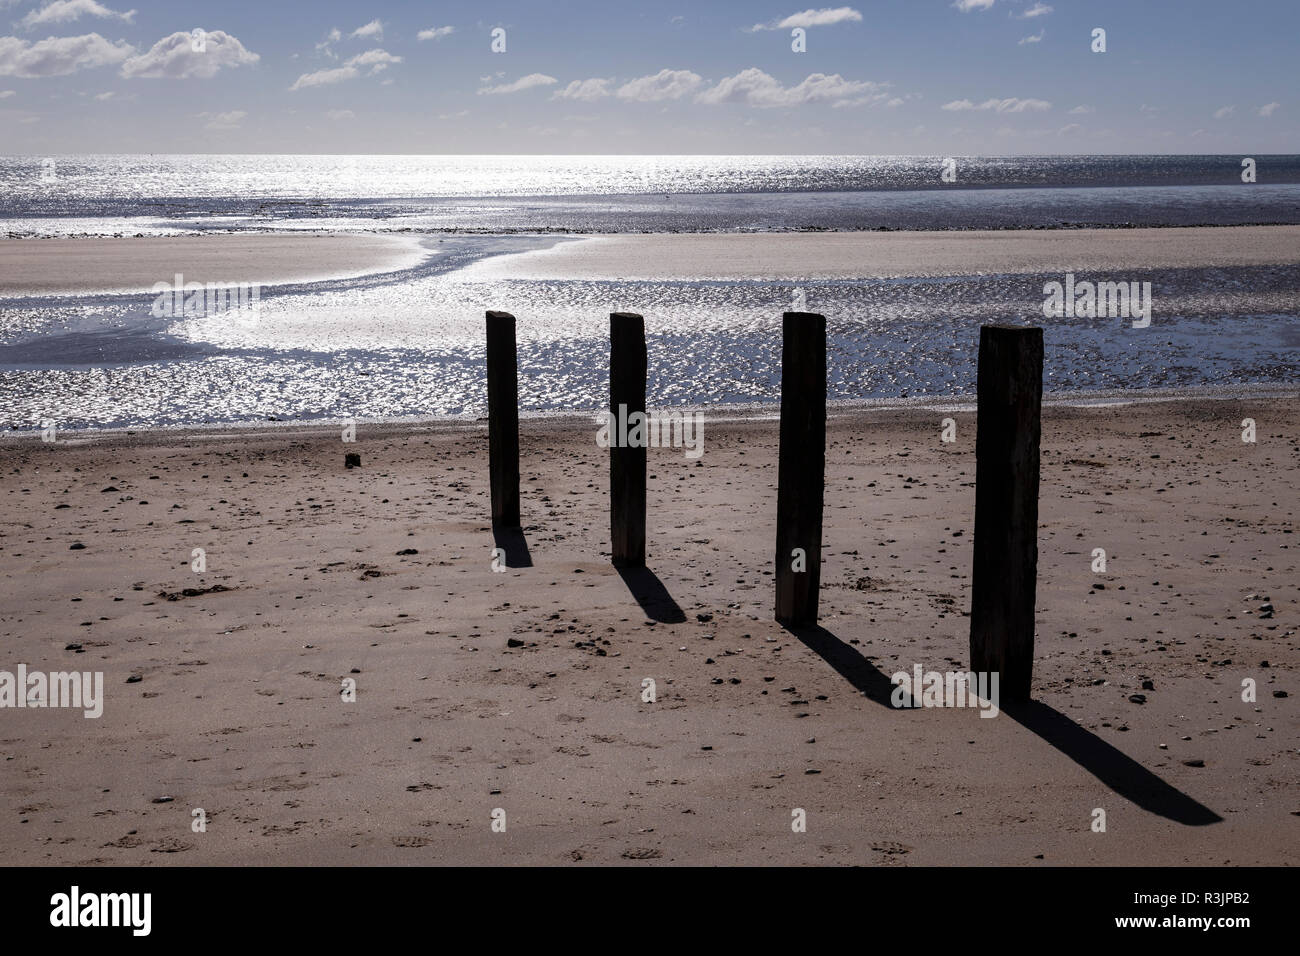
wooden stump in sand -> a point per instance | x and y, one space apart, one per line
1006 506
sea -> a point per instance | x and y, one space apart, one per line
408 344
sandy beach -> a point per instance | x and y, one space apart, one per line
869 255
522 691
75 266
78 266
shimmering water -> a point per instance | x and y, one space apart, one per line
411 343
69 195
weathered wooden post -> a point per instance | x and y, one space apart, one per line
1006 506
801 471
503 419
627 379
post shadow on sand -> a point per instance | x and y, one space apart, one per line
1124 775
651 594
515 546
848 663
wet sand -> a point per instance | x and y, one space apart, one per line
77 266
74 266
867 255
522 690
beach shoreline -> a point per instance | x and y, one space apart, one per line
720 414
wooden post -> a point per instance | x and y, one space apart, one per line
1006 506
801 472
627 378
503 419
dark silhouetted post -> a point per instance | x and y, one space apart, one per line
627 375
503 419
801 472
1006 506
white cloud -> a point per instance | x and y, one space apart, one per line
435 33
378 60
340 114
173 57
1267 109
1009 105
59 56
5 94
967 5
1224 112
825 17
105 96
325 77
585 90
229 120
1037 10
871 100
372 29
325 46
1038 38
1083 108
664 85
1068 129
523 83
756 88
448 116
65 11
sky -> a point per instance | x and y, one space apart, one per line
931 77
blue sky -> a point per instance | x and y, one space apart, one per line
878 76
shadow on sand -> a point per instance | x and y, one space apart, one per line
651 594
1124 775
515 546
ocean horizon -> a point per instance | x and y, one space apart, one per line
112 195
